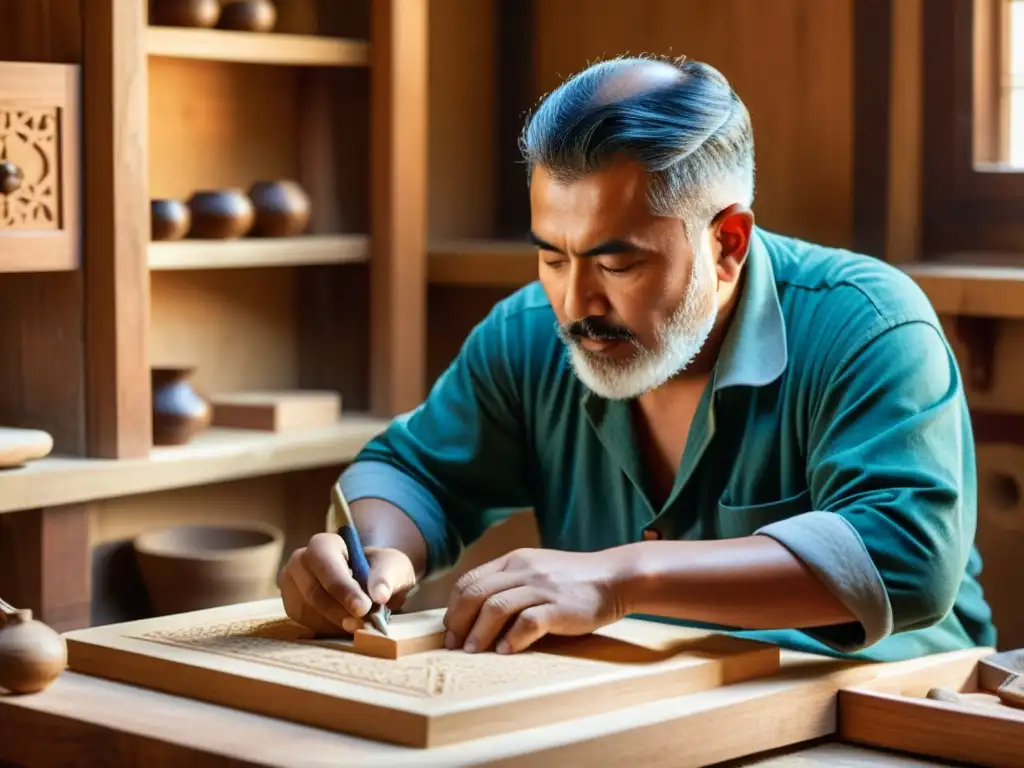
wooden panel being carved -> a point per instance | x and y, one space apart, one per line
252 657
423 675
29 147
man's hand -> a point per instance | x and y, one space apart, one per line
319 592
539 592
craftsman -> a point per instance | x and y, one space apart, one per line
715 425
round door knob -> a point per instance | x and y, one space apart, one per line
10 177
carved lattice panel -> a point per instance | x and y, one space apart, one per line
29 138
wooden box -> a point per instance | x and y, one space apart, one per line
897 712
39 167
281 411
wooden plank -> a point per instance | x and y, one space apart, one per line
270 48
483 263
258 252
87 719
251 657
117 211
214 456
398 143
46 566
408 634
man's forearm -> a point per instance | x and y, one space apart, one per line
383 525
749 583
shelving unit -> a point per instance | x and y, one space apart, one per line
335 98
252 252
268 48
483 263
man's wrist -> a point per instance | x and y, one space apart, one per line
632 580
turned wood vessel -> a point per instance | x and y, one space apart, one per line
220 214
169 219
282 208
32 655
179 412
184 13
248 15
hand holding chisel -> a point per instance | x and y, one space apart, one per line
378 615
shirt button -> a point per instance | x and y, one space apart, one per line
651 534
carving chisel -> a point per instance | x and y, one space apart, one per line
379 614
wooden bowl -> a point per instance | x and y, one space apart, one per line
169 219
220 214
248 15
282 208
184 13
193 567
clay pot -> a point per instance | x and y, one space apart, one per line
32 655
169 219
248 15
193 567
282 208
220 214
178 411
184 13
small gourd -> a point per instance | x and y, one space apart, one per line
32 655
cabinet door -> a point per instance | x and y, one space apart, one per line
40 132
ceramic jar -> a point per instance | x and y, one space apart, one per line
179 412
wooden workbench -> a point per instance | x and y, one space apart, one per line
82 720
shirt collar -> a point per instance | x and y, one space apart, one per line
754 352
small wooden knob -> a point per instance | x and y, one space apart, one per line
10 177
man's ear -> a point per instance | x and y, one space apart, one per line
732 230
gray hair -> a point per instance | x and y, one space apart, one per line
690 131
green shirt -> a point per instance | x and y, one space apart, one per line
835 422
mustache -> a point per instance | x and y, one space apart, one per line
597 328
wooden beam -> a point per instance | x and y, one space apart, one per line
872 41
46 564
514 93
116 230
398 141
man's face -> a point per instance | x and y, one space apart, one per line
634 300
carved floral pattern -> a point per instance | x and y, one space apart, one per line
28 138
431 674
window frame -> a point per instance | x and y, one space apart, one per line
970 209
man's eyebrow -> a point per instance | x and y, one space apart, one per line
616 245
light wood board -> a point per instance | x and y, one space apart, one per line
251 657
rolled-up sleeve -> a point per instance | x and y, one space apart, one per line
893 520
461 453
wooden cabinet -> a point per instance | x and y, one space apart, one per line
39 167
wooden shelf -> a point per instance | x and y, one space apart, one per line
256 47
214 456
483 263
258 252
972 287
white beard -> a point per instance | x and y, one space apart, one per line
678 342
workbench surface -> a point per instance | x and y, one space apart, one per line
81 720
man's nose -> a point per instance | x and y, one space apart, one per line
583 296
